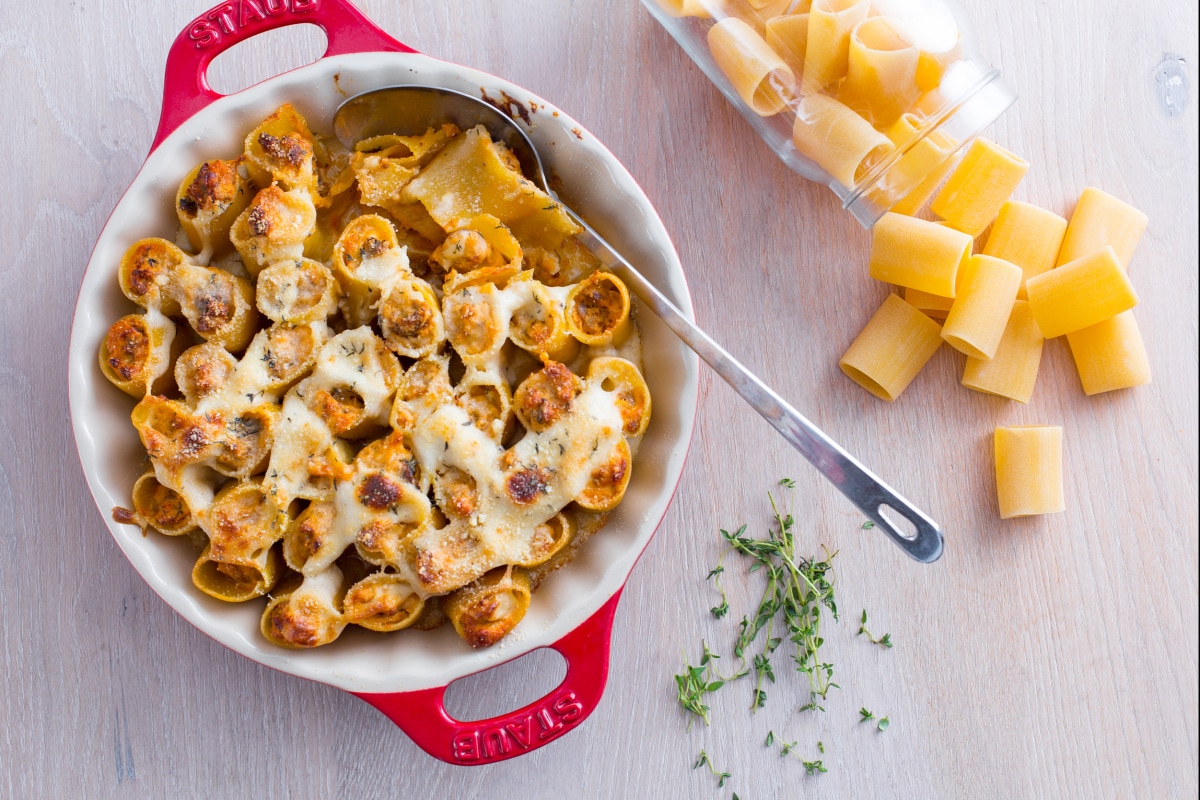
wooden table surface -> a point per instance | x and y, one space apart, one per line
1045 657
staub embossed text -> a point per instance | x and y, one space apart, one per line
207 31
550 720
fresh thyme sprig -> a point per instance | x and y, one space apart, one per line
723 608
813 767
704 761
789 749
881 724
882 641
795 590
696 682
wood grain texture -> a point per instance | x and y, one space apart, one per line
1050 657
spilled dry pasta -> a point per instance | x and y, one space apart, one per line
384 387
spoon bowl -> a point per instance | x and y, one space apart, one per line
408 110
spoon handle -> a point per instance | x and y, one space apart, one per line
860 485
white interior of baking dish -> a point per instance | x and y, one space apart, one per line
594 183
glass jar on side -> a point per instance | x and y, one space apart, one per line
871 97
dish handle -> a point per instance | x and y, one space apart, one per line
423 717
186 89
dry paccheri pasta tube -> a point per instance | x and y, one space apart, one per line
1110 355
1101 220
827 56
332 421
925 161
836 137
788 37
1080 294
1027 236
918 254
893 347
1012 371
979 186
1029 477
685 8
881 80
932 305
762 79
982 305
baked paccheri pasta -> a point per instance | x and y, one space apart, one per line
384 387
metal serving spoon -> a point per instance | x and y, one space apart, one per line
407 110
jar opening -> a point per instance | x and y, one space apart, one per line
945 120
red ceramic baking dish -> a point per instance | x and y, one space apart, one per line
403 675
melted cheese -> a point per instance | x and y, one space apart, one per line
350 360
556 462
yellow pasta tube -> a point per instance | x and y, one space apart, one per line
606 485
545 397
242 523
758 74
912 202
549 538
788 37
540 327
838 139
827 55
382 602
918 172
410 320
982 305
284 354
308 616
136 353
218 305
296 292
366 259
1013 370
202 370
236 581
208 201
684 8
274 227
281 150
625 383
146 271
917 254
597 310
309 534
160 507
893 347
487 399
931 305
1027 236
1080 294
1110 355
881 79
1100 219
1029 470
981 183
485 611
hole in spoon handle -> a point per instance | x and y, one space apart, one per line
924 543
